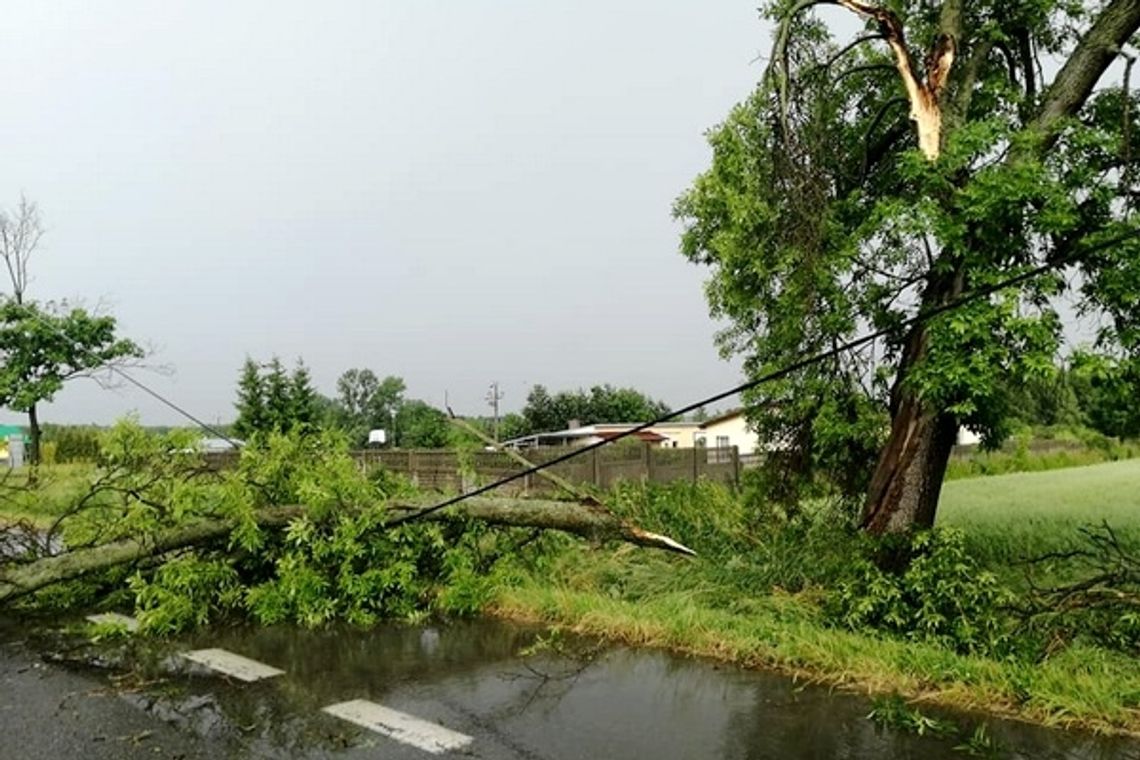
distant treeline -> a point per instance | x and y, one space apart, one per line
63 444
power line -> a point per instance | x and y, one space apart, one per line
917 319
156 395
153 393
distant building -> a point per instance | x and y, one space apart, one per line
967 437
670 435
727 430
731 429
214 445
7 432
681 435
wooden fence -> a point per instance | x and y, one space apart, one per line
447 470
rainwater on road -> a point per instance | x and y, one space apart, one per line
517 692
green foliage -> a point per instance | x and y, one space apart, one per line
272 401
513 425
109 632
335 561
942 595
981 743
252 415
71 443
368 403
421 426
1109 388
1053 398
1041 449
892 711
602 403
185 592
762 591
742 555
45 345
818 221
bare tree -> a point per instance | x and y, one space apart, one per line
20 233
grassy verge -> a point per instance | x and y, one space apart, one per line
759 594
1041 450
55 487
756 597
1085 688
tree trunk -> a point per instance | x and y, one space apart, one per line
908 478
586 520
33 436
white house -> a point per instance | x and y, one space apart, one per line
727 430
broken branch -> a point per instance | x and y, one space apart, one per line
585 520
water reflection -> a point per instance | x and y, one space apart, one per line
578 701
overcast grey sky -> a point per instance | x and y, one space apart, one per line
452 192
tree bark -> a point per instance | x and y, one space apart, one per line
906 483
904 489
586 520
1094 52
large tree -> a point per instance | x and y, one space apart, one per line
420 425
857 187
368 403
44 346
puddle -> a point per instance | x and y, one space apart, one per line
573 700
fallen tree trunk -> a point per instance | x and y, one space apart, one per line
586 520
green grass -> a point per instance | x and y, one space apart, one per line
755 595
55 488
1043 448
1004 462
1008 518
1082 687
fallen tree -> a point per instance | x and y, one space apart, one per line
589 521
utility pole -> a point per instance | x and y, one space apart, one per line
494 396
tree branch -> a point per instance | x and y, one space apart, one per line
585 520
1090 58
922 94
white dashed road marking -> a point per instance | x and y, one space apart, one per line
114 618
430 737
241 668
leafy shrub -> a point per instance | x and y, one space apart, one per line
71 443
942 595
1043 448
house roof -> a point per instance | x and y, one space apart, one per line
604 430
644 435
732 414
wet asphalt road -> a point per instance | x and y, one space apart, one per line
569 702
51 713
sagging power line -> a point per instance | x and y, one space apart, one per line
772 376
787 370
